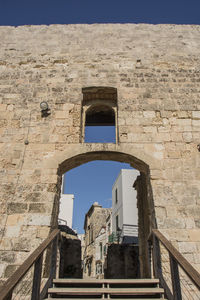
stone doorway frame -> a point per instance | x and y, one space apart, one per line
77 159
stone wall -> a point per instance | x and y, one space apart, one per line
155 69
70 257
122 261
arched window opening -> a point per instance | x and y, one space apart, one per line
100 125
99 115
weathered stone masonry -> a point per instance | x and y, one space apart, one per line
156 70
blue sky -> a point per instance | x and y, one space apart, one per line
89 183
92 182
101 175
20 12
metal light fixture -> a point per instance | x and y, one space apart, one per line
44 105
44 108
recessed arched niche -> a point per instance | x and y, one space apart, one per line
99 115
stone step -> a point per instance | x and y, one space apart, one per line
110 291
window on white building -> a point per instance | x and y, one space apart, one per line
116 196
117 222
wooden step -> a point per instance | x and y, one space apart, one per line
104 288
104 298
106 281
100 291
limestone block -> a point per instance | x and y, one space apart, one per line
196 258
10 269
61 114
17 208
2 269
158 155
38 208
20 256
42 232
49 179
152 129
15 219
194 235
164 129
161 211
12 231
173 154
183 122
196 115
162 137
3 212
156 174
187 247
149 114
8 256
187 137
12 96
68 106
172 211
38 220
174 223
3 107
182 114
189 223
121 121
6 244
40 147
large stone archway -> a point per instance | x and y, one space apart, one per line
146 212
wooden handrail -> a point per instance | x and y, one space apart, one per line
185 265
176 260
10 284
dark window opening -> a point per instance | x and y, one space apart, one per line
117 222
100 125
100 115
116 196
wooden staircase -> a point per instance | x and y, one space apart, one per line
105 289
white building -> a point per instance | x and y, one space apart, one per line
65 208
124 206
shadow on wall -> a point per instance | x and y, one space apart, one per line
122 262
70 255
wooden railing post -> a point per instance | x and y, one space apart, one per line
150 250
176 260
175 278
54 258
37 278
157 266
52 269
156 258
